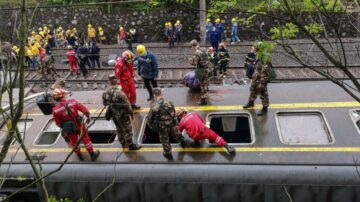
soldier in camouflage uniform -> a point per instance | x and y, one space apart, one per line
162 119
259 83
121 112
203 70
47 67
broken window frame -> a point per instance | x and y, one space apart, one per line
48 122
326 126
14 142
250 122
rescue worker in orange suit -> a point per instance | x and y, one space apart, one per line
124 71
66 116
194 126
70 54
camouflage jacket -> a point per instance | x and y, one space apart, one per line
200 58
261 74
162 114
118 101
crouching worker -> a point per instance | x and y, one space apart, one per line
120 113
66 116
196 129
162 119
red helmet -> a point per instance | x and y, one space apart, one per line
127 55
58 93
180 112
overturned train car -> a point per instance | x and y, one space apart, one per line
305 149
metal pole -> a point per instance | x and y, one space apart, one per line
202 20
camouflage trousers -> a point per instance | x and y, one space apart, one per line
204 86
262 91
123 129
164 135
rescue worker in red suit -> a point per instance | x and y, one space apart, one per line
65 113
124 71
196 129
70 55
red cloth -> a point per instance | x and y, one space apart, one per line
61 115
70 55
196 129
42 54
124 72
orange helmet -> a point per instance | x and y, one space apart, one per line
58 93
180 112
127 55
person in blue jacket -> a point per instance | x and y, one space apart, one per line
215 38
234 31
219 27
209 27
147 68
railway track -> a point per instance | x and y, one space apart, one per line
173 77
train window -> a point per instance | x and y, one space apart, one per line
303 128
149 137
102 132
21 125
355 116
235 128
49 135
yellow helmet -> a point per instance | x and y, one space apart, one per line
45 28
68 32
208 20
100 28
233 20
60 28
170 24
217 20
177 21
140 49
42 33
40 29
89 25
74 29
33 33
14 47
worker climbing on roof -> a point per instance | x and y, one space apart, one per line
73 63
162 120
203 69
66 116
102 36
147 68
119 111
260 77
124 70
194 126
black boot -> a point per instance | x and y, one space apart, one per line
263 111
94 155
202 101
168 155
183 143
248 105
81 158
134 147
150 98
135 107
229 149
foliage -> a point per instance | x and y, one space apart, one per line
264 51
288 31
315 28
54 199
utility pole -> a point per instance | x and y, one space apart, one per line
202 20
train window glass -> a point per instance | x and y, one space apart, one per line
102 132
149 136
235 128
21 125
355 116
303 128
49 135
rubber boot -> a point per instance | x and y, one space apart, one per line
168 155
229 149
202 101
134 147
263 111
248 105
135 107
94 155
80 156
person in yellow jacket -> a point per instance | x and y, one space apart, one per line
91 33
102 36
35 52
28 56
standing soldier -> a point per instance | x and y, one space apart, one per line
203 70
162 119
70 54
121 112
223 56
260 79
124 71
66 116
147 68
